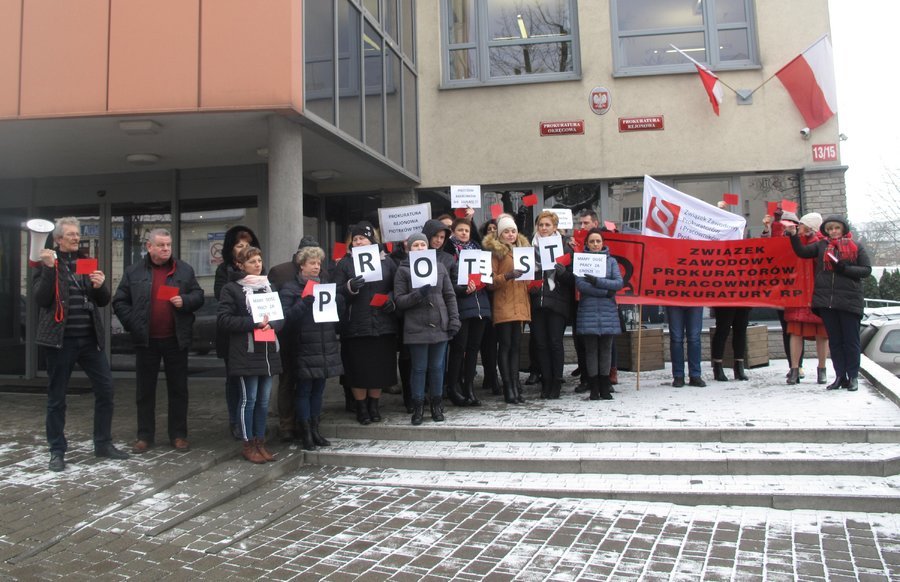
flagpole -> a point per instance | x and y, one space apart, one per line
699 64
773 75
640 326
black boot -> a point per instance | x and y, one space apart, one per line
604 386
546 388
455 397
794 376
437 410
470 396
583 385
374 414
349 400
719 372
520 392
362 412
821 376
418 411
533 378
594 386
836 385
306 438
555 388
739 373
509 390
316 436
405 366
852 384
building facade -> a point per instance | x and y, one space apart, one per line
302 117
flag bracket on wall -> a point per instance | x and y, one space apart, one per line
744 96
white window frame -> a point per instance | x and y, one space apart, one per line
710 30
483 43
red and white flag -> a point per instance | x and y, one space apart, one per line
809 79
710 81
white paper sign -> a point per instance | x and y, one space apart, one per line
465 196
695 219
262 304
367 262
423 267
325 302
566 221
473 261
399 222
551 249
523 260
589 264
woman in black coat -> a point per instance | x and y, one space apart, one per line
841 266
252 360
317 348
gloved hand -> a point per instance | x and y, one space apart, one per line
389 306
840 267
309 299
514 274
424 290
591 279
356 283
560 269
610 293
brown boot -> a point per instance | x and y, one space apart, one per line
261 447
251 453
613 375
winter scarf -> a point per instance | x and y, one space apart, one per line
843 249
253 283
462 246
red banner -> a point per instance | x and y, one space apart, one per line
759 272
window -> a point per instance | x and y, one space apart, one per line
632 217
720 33
891 342
509 41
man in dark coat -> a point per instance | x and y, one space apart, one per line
155 302
70 327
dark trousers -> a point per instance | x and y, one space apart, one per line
147 361
308 403
843 341
734 320
509 336
60 362
287 389
547 330
489 354
464 352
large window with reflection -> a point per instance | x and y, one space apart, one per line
721 33
509 41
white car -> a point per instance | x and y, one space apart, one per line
879 336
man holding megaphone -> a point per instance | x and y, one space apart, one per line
70 327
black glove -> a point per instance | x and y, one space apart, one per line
840 267
309 299
389 306
515 274
560 269
356 283
610 293
591 279
424 290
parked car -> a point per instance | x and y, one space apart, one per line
879 336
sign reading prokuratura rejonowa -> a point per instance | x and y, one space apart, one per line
759 272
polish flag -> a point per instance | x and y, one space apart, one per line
709 79
809 79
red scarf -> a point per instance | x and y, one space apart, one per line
843 249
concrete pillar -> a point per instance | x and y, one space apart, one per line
285 204
824 190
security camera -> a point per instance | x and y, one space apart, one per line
843 137
804 133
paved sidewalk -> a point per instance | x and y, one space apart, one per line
207 515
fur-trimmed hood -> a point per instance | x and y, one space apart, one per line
499 248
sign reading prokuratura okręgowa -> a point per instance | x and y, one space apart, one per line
757 272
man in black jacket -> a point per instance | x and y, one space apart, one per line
156 301
70 327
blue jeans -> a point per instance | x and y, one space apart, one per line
308 403
685 323
427 359
60 362
843 341
254 406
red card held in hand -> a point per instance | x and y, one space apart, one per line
731 199
340 249
496 210
460 212
166 292
389 246
85 266
536 284
771 208
564 260
379 299
264 336
530 200
308 290
610 225
788 206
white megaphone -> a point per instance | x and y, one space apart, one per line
39 229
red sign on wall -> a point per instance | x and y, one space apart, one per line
652 123
562 127
824 152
